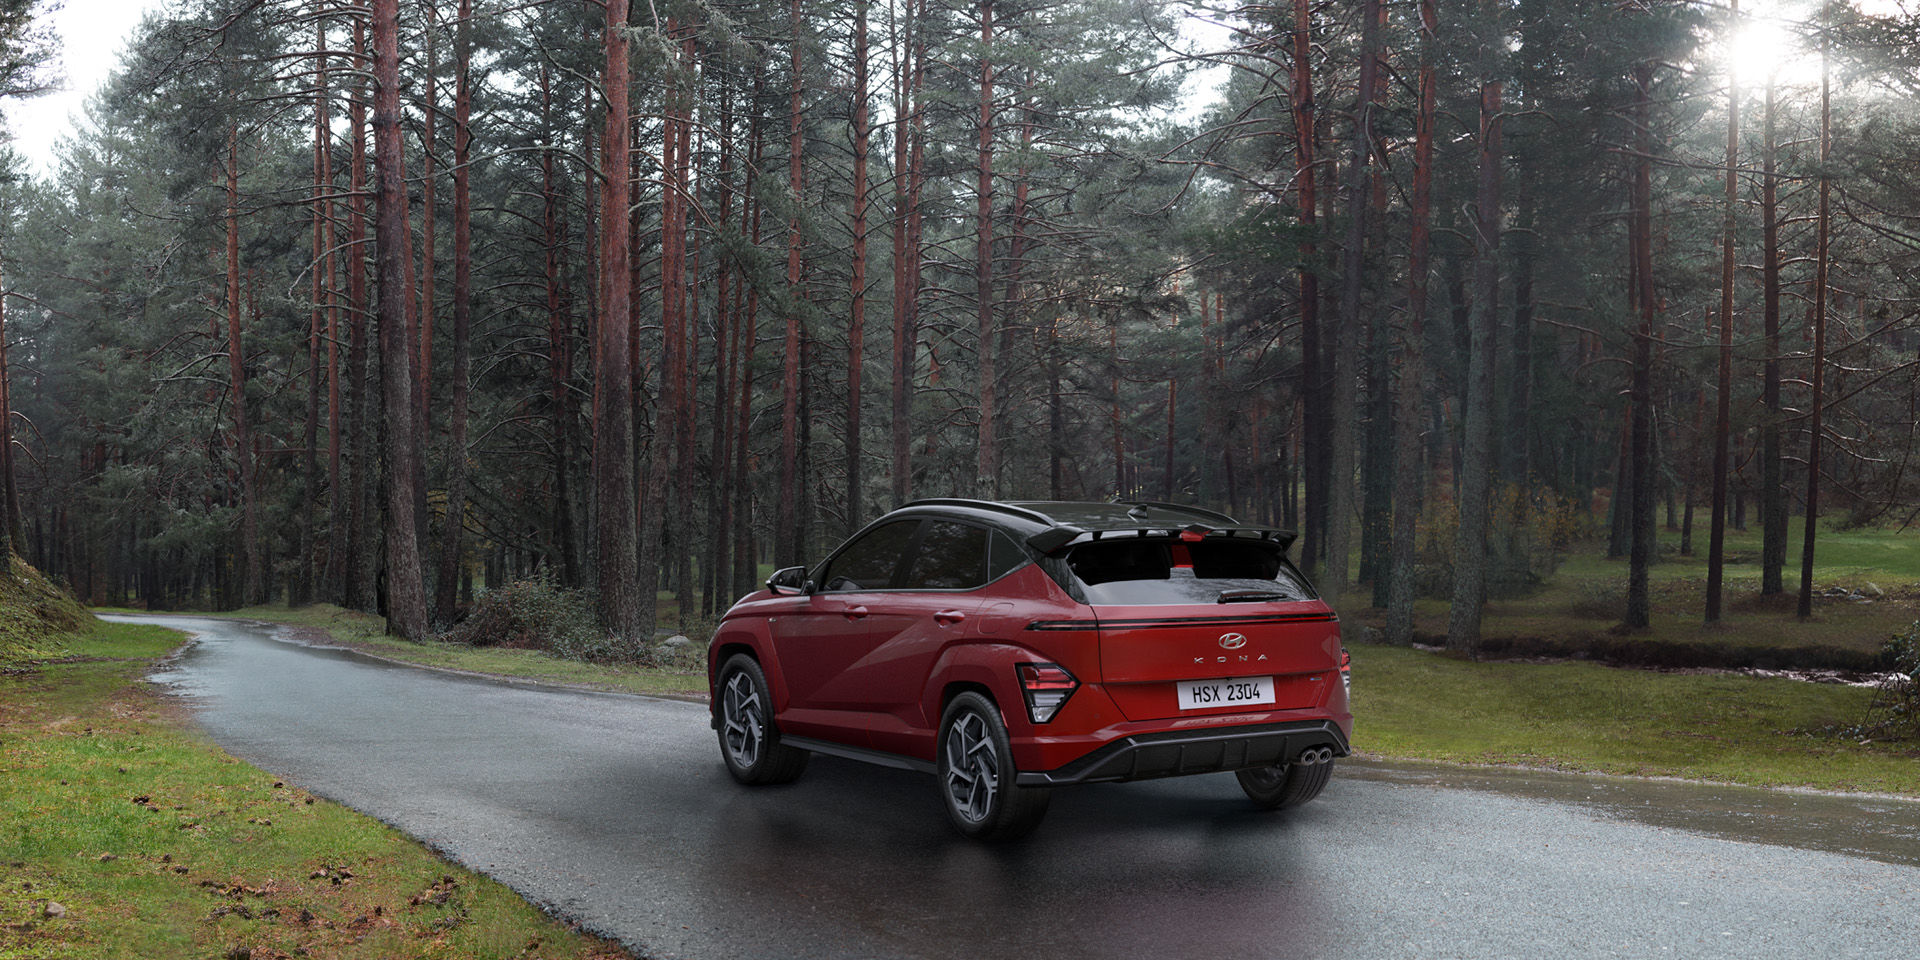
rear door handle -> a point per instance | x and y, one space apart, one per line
855 613
948 618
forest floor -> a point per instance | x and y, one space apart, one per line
130 835
1866 588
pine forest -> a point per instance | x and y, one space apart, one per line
392 303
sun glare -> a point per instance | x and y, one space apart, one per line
1765 46
1776 38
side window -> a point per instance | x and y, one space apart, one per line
952 556
869 562
1003 556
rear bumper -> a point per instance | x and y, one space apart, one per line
1146 756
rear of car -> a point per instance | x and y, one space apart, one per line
1214 654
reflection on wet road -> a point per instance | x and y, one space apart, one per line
615 810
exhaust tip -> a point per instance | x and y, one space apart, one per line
1315 755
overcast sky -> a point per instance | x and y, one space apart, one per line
93 33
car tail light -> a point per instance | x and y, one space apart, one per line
1046 686
1346 672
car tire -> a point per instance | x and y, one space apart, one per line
749 742
1284 785
978 780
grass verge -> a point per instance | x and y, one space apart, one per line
1867 587
124 835
1588 717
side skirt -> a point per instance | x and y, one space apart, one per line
875 757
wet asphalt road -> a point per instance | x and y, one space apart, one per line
615 810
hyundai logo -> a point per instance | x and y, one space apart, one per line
1232 641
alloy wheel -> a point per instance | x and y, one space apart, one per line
740 715
973 768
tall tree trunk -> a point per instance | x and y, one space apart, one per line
560 401
429 211
1823 231
788 543
1642 545
254 579
857 294
1470 541
361 588
1011 318
1344 397
406 594
1313 546
653 452
1723 395
1408 484
1376 468
666 504
1056 414
333 576
1773 494
745 556
1166 479
300 590
987 471
716 578
447 583
422 302
612 403
906 257
10 538
1114 416
685 425
1516 462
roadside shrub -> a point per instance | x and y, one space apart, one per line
1895 711
537 614
1529 531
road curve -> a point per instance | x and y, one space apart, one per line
614 810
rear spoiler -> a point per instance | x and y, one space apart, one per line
1057 539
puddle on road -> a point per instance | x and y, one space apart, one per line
1878 828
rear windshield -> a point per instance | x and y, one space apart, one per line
1138 572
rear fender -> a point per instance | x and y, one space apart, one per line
987 666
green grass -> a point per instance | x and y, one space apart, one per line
1580 606
159 845
1588 717
1888 556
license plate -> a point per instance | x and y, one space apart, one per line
1232 692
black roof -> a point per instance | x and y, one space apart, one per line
1048 526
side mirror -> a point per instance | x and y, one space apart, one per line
788 581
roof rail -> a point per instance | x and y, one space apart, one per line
994 505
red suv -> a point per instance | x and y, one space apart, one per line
1010 648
